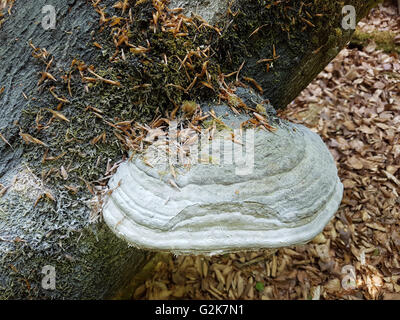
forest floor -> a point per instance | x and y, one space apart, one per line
354 105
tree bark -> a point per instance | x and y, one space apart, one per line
90 261
305 36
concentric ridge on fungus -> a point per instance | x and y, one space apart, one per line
288 198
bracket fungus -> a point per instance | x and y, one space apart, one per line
283 191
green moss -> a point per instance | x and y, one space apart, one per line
219 125
384 40
295 29
55 241
151 87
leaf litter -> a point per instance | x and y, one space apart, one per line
354 105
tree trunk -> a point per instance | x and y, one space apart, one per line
278 47
90 261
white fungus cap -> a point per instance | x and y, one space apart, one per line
287 196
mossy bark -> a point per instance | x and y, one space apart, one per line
89 260
384 40
304 36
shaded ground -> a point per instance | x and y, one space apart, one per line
354 104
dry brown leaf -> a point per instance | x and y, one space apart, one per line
355 163
58 115
29 139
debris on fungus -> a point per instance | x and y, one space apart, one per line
283 192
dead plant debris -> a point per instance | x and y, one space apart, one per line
354 104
